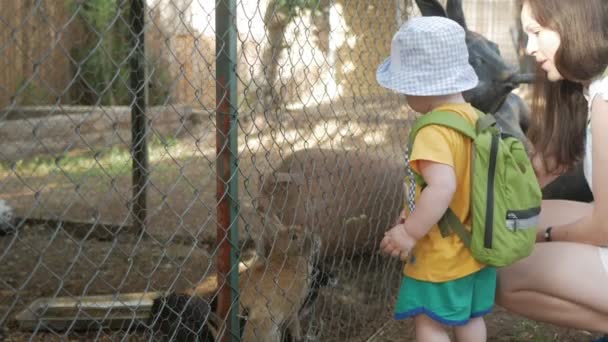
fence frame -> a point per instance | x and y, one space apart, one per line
227 167
139 121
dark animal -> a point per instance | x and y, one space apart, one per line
496 78
179 317
493 95
320 278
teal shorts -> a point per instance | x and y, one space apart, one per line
452 302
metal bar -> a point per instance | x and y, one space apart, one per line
227 167
139 123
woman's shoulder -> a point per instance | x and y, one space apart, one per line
599 86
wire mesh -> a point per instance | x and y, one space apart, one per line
320 153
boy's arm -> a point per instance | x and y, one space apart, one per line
434 199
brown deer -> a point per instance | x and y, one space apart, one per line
275 288
275 285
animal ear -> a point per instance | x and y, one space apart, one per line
494 47
271 227
269 182
276 221
298 229
262 246
430 8
286 177
262 204
455 12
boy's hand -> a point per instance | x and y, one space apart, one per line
401 218
397 242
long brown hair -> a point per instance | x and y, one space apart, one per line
559 109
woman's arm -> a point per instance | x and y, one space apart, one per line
593 228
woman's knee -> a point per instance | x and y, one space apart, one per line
510 280
504 290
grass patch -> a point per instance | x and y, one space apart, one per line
109 162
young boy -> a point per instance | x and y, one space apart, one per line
443 285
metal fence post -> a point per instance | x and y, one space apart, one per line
227 166
139 123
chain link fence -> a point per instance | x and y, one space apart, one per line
109 234
115 160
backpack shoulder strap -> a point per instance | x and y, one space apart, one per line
449 222
443 118
485 121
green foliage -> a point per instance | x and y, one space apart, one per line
102 67
293 7
106 162
102 58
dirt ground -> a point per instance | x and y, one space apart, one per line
76 239
358 308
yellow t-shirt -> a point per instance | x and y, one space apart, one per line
435 258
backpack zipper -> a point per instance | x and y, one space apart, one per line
523 219
487 241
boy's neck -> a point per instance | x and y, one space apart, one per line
438 101
425 104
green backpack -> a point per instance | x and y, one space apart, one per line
506 196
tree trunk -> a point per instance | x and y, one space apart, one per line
276 22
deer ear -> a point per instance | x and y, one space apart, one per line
286 177
429 8
456 13
274 218
270 181
272 226
262 204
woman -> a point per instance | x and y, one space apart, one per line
565 280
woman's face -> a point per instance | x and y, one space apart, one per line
542 43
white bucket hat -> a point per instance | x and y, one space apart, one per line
428 57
